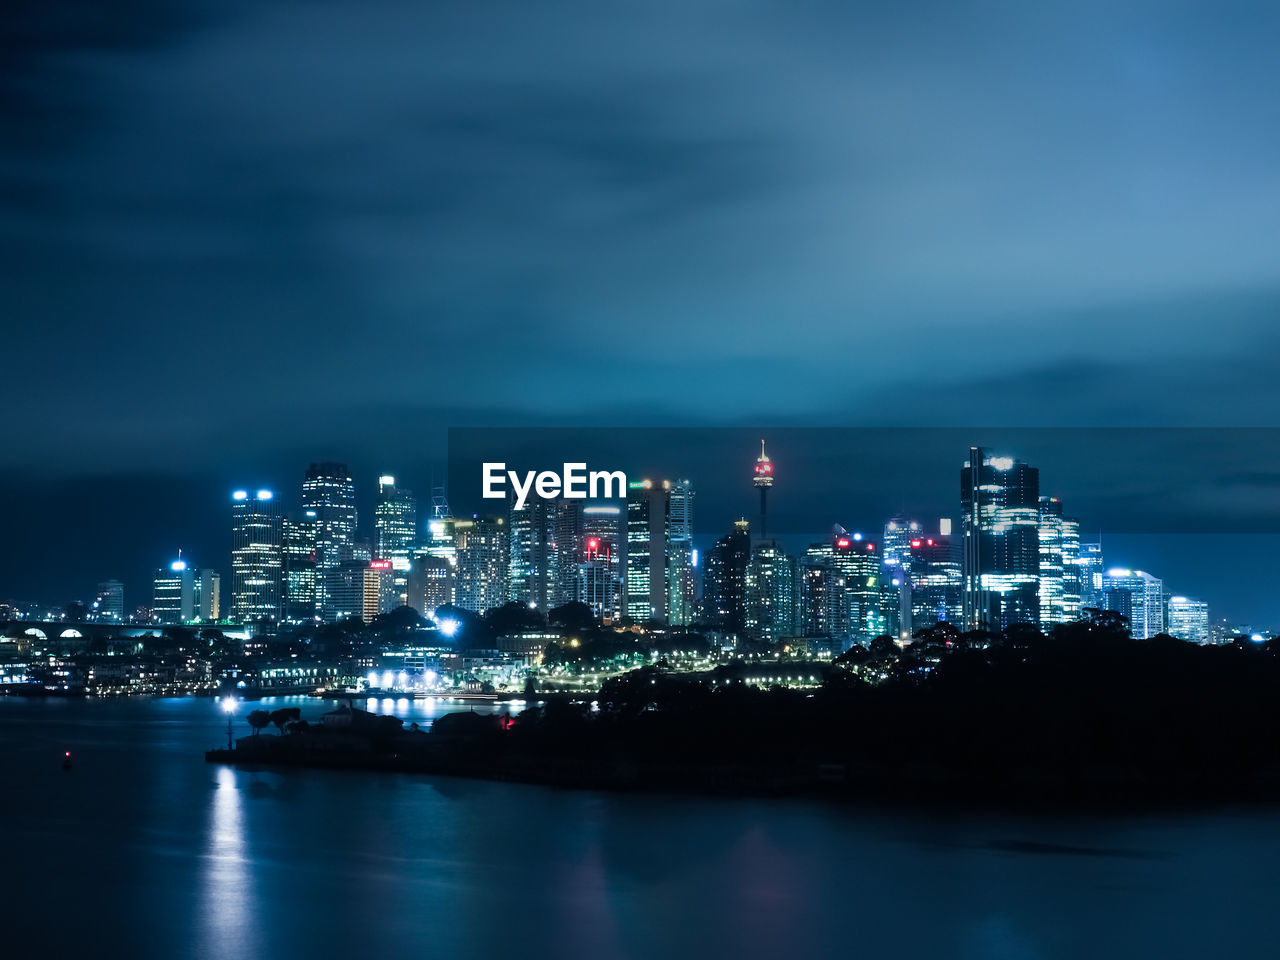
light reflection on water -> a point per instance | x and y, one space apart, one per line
228 881
158 854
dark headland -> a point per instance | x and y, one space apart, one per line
1085 717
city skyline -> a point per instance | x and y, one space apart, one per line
394 539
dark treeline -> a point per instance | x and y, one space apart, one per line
1083 715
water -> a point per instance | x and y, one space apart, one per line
144 850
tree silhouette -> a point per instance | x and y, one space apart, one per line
258 720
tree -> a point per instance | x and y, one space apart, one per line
574 615
258 720
284 716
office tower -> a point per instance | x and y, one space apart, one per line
396 522
823 601
724 580
648 531
762 478
1000 500
379 594
1070 569
597 576
430 583
1091 567
566 551
300 567
937 582
858 564
345 586
1145 599
1189 619
681 572
534 563
1052 598
174 594
209 595
440 540
896 544
770 592
109 603
483 562
257 557
329 491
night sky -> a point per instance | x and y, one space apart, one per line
238 237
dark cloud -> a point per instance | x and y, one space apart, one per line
238 232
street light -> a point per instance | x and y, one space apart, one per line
228 704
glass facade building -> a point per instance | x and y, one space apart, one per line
257 557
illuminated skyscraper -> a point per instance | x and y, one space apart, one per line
379 595
174 594
1070 569
300 567
109 603
681 574
1142 593
648 533
329 490
1091 566
483 563
431 582
859 567
937 584
532 577
598 572
1189 619
1000 499
724 580
396 520
896 545
209 595
771 592
257 557
1053 609
824 606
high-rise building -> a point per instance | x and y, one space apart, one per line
534 562
174 594
396 520
108 605
1000 500
937 582
1053 610
1071 570
859 566
1144 596
209 595
681 573
430 583
1091 567
257 557
300 567
645 589
1189 619
823 601
483 562
603 540
896 543
771 580
724 580
330 492
379 594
